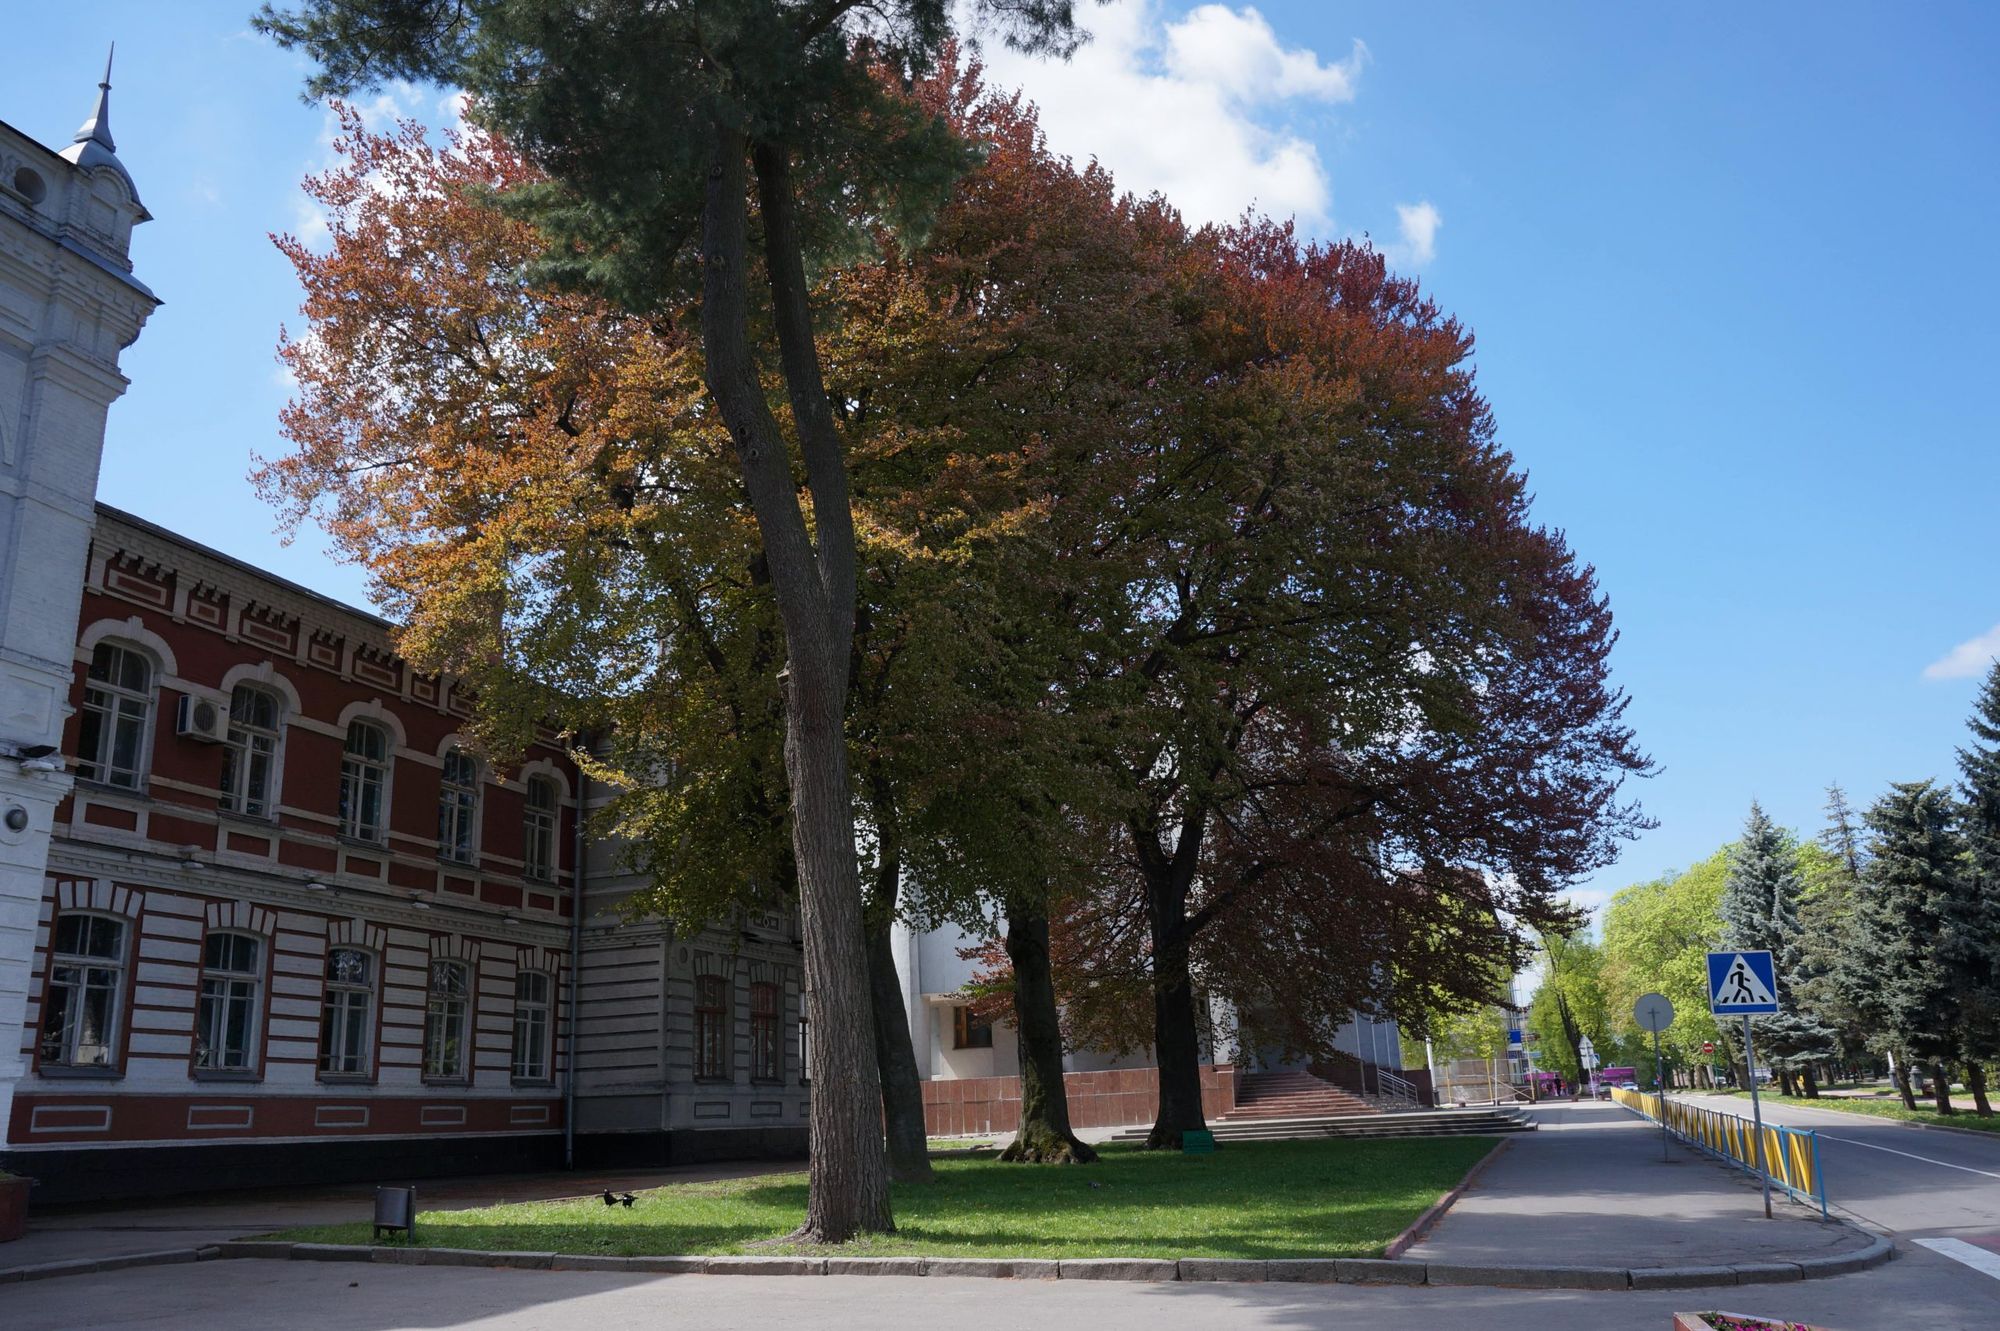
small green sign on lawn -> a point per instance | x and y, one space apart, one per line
1197 1141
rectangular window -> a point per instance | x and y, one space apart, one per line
711 1028
764 1032
539 831
446 1017
458 808
364 782
347 1025
249 759
117 707
85 994
532 994
232 977
969 1031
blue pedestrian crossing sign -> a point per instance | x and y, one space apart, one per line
1741 984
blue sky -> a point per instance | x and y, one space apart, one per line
1731 272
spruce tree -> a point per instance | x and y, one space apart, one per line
1898 975
1972 937
1761 904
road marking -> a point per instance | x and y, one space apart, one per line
1849 1141
1980 1260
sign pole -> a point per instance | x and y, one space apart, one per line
1756 1114
1660 1093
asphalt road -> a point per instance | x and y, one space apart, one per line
1920 1291
1912 1181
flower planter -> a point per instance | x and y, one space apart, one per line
1737 1322
13 1207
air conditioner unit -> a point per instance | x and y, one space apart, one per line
202 719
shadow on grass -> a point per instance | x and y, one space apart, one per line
1251 1200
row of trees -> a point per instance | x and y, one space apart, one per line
922 529
1885 930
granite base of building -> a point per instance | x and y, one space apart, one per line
658 1150
65 1178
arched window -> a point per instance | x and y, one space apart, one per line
533 995
539 831
232 983
711 1028
764 1055
447 1012
347 1013
117 716
458 808
250 758
364 782
86 993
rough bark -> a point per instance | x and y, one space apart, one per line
1044 1136
896 1056
1941 1089
1900 1074
1809 1084
1176 1047
1975 1082
814 588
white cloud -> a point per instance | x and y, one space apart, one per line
1167 105
1969 660
1418 225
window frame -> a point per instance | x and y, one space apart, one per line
767 1059
107 711
357 767
968 1031
438 1008
367 1019
238 754
541 828
542 1071
116 1005
254 1001
459 809
712 1054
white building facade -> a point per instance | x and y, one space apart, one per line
69 304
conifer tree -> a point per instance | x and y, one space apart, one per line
1897 974
1972 940
1760 911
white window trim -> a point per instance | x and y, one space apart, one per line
253 1040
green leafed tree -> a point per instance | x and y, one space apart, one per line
1972 946
1657 937
722 152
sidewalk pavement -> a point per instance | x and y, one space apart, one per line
1590 1188
121 1229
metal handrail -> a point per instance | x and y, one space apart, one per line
1396 1085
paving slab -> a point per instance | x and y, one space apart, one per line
1591 1187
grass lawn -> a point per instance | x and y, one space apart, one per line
1892 1108
1250 1199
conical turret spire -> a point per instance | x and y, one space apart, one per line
97 129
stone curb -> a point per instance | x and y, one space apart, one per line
1298 1270
83 1266
1424 1223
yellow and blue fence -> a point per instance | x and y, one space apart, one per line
1791 1155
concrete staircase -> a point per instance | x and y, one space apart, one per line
1365 1126
1292 1093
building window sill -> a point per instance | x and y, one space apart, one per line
228 1074
346 1079
534 1083
65 1072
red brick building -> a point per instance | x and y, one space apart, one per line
293 928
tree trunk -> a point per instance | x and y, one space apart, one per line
1901 1076
896 1056
1177 1050
1044 1135
1809 1084
1975 1082
848 1189
1941 1089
